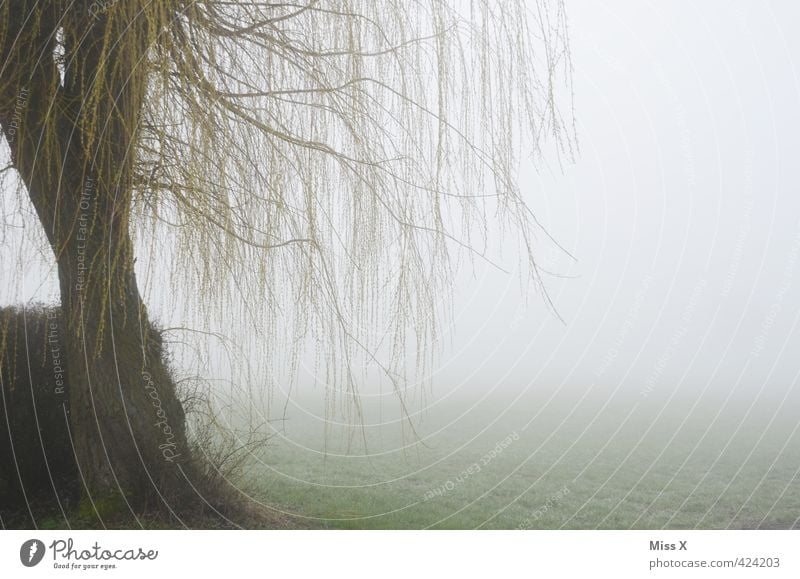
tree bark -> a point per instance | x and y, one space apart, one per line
127 424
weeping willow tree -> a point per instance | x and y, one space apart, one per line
331 159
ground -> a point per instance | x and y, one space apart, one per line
570 461
629 464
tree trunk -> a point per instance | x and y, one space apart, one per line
128 424
75 148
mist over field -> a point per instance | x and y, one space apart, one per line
654 384
666 393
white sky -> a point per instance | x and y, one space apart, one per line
683 210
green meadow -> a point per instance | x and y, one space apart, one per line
567 461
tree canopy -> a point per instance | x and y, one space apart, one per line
317 168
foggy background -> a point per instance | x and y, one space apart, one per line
682 212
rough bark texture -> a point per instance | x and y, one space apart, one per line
127 424
37 464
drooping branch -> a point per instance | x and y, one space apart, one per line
385 136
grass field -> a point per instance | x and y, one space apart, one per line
570 462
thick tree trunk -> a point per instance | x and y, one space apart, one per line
128 424
74 148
